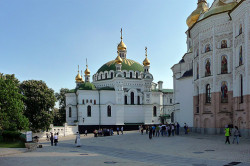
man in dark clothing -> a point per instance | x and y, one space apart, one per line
51 139
150 132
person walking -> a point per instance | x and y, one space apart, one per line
78 140
236 134
86 133
55 139
177 128
186 128
172 129
157 129
153 128
150 132
227 134
51 139
117 130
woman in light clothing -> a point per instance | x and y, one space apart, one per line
78 140
236 134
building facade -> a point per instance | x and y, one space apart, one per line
122 94
218 40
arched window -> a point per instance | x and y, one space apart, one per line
241 89
240 29
83 101
223 44
138 100
208 94
136 75
109 111
224 69
112 75
89 111
91 101
154 111
94 102
131 74
170 101
101 76
207 48
240 56
106 75
197 52
224 92
70 112
132 97
125 99
124 74
87 101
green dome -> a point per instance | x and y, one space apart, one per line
218 7
87 86
127 64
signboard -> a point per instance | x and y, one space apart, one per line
29 136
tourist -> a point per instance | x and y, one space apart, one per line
117 130
163 130
141 130
227 134
122 130
146 129
86 133
51 139
177 128
47 136
78 140
56 139
150 132
186 128
157 129
153 128
172 129
236 134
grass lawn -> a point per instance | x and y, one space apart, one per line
12 145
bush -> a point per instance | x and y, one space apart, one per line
11 136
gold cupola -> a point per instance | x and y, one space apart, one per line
87 71
118 60
146 62
82 81
121 46
201 8
78 76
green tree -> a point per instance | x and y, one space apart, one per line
11 105
60 115
39 102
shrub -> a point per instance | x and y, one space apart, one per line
10 136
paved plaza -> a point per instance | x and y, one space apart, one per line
133 149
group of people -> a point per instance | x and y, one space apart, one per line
107 132
236 134
163 130
53 138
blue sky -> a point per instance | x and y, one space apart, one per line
47 39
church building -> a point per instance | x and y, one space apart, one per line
216 67
122 93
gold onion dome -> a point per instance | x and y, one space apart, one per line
121 46
201 8
82 77
87 71
78 76
118 60
146 62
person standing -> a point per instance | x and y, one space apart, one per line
86 133
157 131
185 128
177 128
227 134
51 139
78 140
150 132
172 129
153 128
122 130
236 134
141 130
56 139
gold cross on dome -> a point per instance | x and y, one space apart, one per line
121 33
146 51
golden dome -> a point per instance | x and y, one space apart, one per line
78 76
121 46
82 81
87 71
201 8
146 62
118 60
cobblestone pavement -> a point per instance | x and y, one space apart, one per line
133 149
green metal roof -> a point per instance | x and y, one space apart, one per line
87 86
127 64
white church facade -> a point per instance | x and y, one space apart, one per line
216 67
122 93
